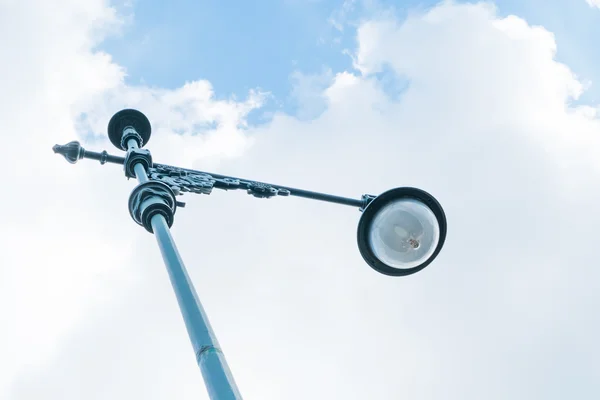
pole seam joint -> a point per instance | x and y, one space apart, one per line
205 350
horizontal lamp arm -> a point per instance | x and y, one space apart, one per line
189 180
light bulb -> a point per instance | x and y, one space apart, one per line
404 233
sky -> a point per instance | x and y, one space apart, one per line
491 107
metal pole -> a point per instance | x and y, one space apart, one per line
215 371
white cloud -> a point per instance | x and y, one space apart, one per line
338 19
308 93
593 3
507 311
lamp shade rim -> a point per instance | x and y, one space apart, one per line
376 205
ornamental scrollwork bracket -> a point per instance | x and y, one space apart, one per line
182 180
264 190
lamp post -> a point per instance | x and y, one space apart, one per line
400 231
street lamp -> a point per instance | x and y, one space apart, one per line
400 231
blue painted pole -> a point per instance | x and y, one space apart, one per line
215 371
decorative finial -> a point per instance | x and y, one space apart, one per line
72 151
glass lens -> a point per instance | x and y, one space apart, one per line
404 234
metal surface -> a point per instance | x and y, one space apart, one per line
193 181
129 118
217 376
150 198
140 173
215 371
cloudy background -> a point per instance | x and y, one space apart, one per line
490 107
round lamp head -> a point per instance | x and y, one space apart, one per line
401 231
125 118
